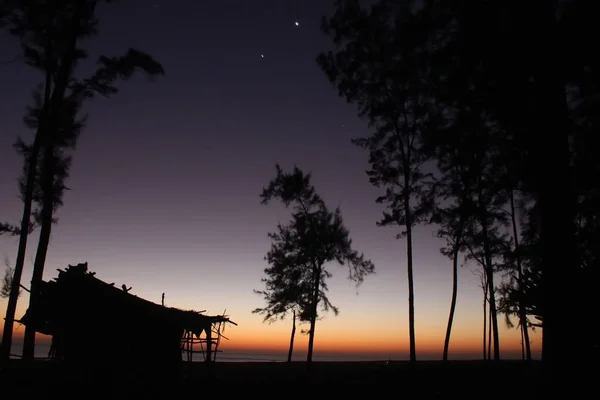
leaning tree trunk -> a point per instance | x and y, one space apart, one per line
23 236
42 249
292 336
30 182
453 300
522 313
52 127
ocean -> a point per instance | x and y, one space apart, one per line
42 349
225 355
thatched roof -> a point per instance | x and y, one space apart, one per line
77 287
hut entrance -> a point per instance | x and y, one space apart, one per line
206 343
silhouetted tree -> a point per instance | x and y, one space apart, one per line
484 287
562 176
464 146
485 244
287 283
514 267
373 66
527 293
515 59
471 217
53 171
316 236
583 101
559 101
452 231
453 212
31 24
49 34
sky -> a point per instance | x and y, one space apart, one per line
166 179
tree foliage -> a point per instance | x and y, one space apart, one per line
7 281
300 250
287 281
8 229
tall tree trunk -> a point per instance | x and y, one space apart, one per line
453 300
313 316
42 249
293 334
52 128
493 311
562 350
559 267
553 183
411 296
523 356
11 308
522 314
489 339
485 319
409 260
489 271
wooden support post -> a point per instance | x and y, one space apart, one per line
190 345
209 344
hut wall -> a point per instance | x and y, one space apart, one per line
111 329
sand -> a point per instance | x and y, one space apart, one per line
505 379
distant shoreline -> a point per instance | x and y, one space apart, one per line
227 356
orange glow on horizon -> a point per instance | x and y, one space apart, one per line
265 342
246 340
256 337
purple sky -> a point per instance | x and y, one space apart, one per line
167 175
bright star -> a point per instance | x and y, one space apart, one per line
296 23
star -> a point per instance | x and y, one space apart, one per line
262 56
297 23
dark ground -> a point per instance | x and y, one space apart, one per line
436 379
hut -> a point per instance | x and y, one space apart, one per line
93 321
